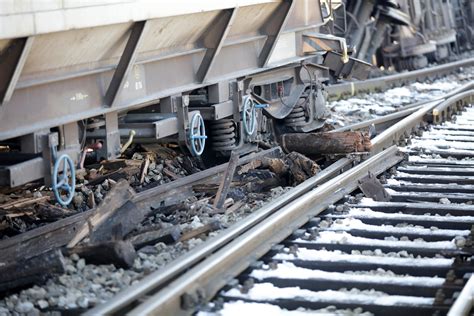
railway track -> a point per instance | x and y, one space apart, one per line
407 120
385 82
409 255
416 261
131 113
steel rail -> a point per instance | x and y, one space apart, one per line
403 112
157 280
406 126
379 121
381 83
201 283
463 304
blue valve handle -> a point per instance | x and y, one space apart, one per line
60 182
197 135
249 115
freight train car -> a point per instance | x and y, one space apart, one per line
90 78
408 34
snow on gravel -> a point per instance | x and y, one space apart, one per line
348 224
333 237
369 106
269 292
450 138
393 182
288 270
430 159
337 255
368 213
455 125
239 308
427 176
438 86
434 185
440 144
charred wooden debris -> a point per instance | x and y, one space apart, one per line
154 197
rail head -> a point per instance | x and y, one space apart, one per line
382 83
439 110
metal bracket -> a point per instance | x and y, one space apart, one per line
112 140
354 68
372 188
181 104
237 97
48 142
126 62
273 29
316 42
213 39
11 66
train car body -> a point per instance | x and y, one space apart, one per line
92 74
408 34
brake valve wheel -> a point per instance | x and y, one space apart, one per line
64 180
197 135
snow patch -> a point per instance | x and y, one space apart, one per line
269 292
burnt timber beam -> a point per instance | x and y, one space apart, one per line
273 28
125 64
11 65
58 234
213 39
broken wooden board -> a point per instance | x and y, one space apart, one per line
326 143
226 181
122 173
207 228
31 271
125 219
160 151
144 168
116 164
276 165
57 234
301 168
42 239
119 253
166 235
117 196
24 202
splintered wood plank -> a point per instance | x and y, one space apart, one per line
117 196
31 271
